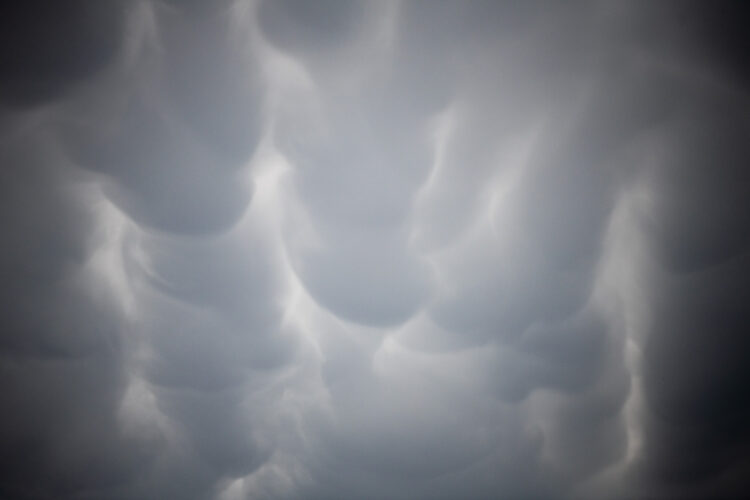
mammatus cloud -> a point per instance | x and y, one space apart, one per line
373 249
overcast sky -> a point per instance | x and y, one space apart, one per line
374 249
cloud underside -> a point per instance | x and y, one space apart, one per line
364 249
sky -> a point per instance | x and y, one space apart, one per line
374 249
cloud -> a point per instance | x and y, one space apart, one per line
285 249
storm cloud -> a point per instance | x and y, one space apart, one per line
291 249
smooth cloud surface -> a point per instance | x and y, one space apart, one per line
374 249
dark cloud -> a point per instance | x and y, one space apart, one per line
63 359
423 249
46 47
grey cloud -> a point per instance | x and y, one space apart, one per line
310 28
286 249
191 111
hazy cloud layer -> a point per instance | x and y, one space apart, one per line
374 249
